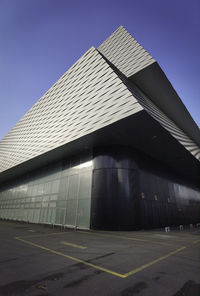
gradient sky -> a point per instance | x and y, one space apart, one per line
41 39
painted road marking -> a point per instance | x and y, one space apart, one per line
153 262
126 237
134 271
70 257
106 235
113 235
48 234
154 235
73 245
196 241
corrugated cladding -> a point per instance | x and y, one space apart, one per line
129 57
168 124
87 97
125 53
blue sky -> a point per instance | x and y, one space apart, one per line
41 39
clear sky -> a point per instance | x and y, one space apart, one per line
41 39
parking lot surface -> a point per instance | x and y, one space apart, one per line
38 260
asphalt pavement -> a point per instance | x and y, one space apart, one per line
39 260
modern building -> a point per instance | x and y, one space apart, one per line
109 146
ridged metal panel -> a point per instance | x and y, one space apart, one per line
125 53
129 57
168 124
87 97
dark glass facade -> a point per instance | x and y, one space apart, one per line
111 188
132 191
109 146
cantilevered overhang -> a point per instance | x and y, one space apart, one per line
116 95
153 81
139 131
137 65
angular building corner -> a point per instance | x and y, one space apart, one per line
109 146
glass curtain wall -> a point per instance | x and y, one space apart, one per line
57 194
164 202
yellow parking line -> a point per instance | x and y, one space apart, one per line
196 241
127 238
73 245
153 262
113 235
99 267
41 235
70 257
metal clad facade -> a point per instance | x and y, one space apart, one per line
125 53
87 167
87 97
168 124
